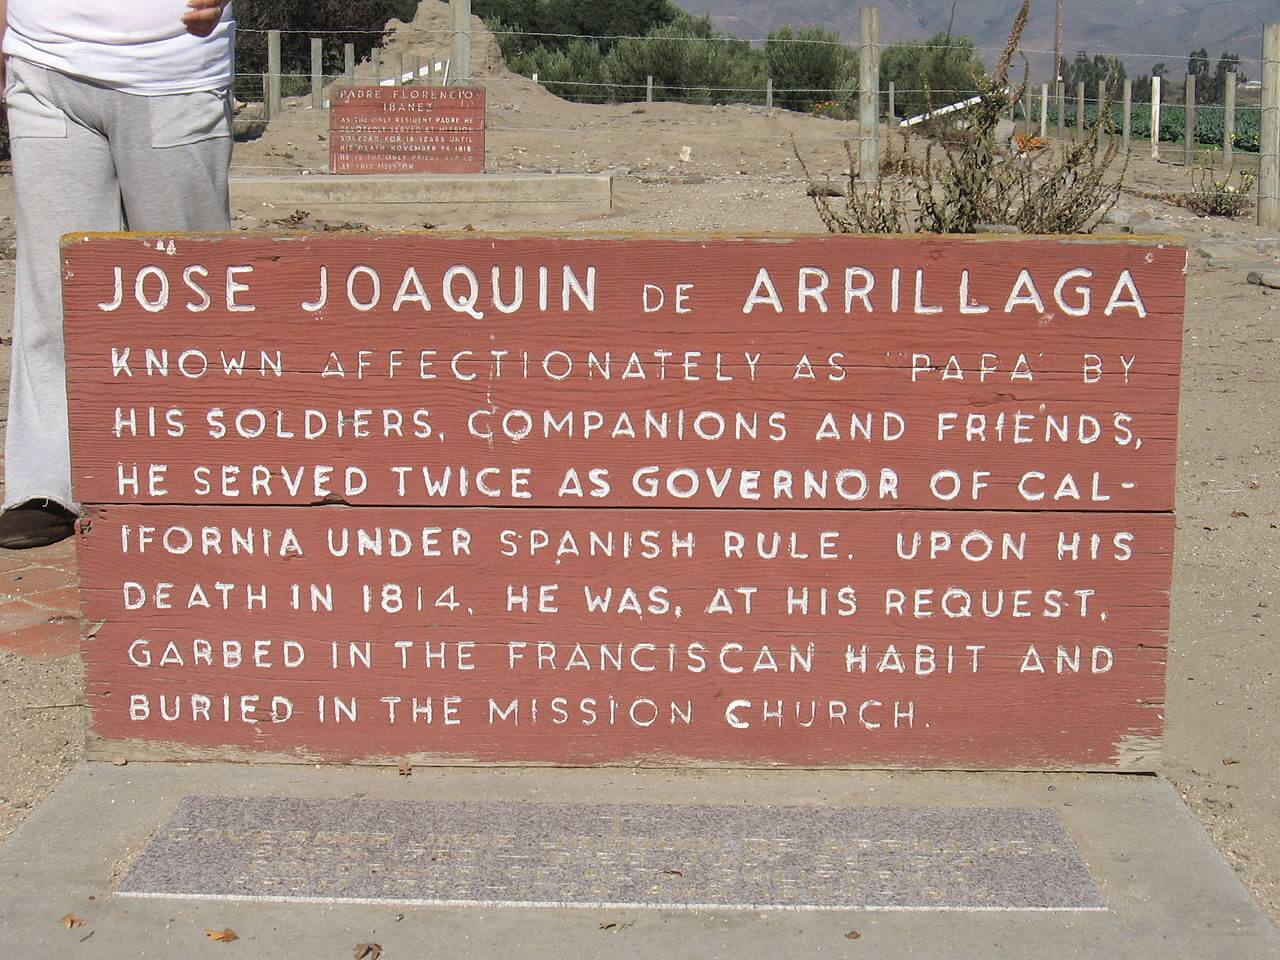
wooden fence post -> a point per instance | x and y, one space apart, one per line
461 68
1126 121
1155 118
349 62
266 96
415 70
1062 110
648 89
1228 120
1044 111
273 72
397 64
375 64
1269 142
1189 138
1026 109
317 78
1079 110
1104 123
893 106
768 92
869 95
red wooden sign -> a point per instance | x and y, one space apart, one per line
767 501
406 130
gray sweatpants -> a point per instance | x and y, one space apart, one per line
87 158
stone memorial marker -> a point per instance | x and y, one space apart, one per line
635 855
374 129
803 501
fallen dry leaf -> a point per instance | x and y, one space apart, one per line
225 935
406 768
615 926
120 761
674 873
1238 513
368 951
1254 485
1228 761
71 921
853 935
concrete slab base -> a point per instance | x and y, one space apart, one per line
1168 892
592 192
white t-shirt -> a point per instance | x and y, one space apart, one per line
138 46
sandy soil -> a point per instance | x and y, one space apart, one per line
1225 646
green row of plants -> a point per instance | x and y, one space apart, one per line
1173 123
690 61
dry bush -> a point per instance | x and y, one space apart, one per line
1211 197
975 178
897 161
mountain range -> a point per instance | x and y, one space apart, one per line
1140 32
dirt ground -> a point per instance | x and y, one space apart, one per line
1223 690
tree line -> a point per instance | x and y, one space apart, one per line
1210 85
621 43
604 51
617 44
361 22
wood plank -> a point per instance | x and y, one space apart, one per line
675 626
719 363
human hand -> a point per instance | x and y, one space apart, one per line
202 16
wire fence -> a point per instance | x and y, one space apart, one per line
1209 117
759 41
1034 112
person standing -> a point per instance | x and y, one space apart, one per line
119 118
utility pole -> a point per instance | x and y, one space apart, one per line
1057 39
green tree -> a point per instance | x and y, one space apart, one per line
575 71
1198 66
1216 88
363 22
688 61
1142 85
931 73
1091 70
808 66
556 23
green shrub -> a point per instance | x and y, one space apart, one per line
575 71
687 63
1212 196
948 67
808 66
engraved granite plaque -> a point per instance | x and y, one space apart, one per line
635 855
